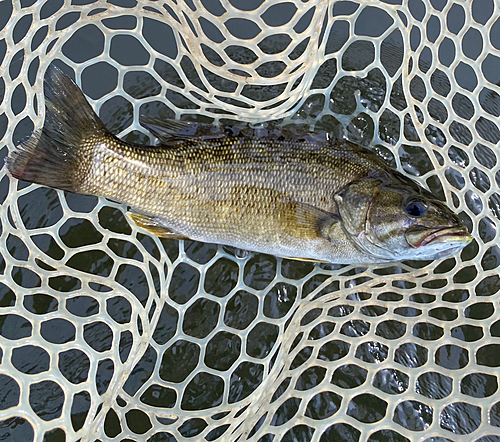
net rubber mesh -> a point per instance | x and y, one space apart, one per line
109 333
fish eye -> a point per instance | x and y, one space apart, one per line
416 208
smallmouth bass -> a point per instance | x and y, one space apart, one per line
292 197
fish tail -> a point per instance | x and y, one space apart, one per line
59 154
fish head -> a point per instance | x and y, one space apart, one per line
399 221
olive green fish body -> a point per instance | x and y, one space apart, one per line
300 197
268 195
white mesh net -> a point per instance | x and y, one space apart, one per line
107 333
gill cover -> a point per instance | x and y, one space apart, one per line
354 205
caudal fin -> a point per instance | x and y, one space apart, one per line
58 155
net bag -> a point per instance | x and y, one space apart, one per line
108 333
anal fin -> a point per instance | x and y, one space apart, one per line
314 261
153 226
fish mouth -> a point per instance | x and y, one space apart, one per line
452 236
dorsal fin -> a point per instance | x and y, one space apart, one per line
172 131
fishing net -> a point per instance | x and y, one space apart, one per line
109 333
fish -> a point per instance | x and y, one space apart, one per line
299 197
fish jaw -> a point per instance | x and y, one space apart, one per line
439 242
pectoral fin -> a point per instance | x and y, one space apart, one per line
153 226
307 221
